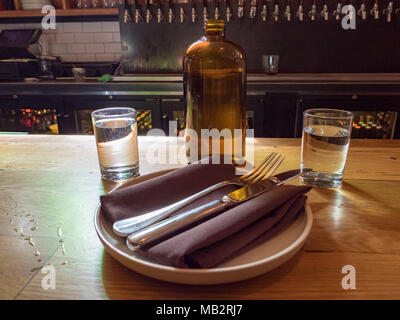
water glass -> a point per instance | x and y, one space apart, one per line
270 63
79 74
324 146
117 146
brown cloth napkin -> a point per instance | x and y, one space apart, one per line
233 231
218 239
163 190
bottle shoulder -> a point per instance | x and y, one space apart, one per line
222 48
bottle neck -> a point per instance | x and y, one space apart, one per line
215 35
214 29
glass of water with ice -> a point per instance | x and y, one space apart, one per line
115 130
324 146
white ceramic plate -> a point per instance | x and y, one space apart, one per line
261 259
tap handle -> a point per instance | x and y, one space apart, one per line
181 15
288 13
375 11
264 12
228 11
253 9
275 13
193 11
160 16
138 16
171 15
312 13
389 11
300 12
362 11
240 9
338 11
127 17
148 12
216 10
325 12
205 10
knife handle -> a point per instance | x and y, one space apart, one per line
170 226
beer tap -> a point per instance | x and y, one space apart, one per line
160 16
362 12
170 12
337 13
313 12
216 10
127 17
275 13
181 14
240 9
325 12
138 16
300 11
193 11
253 9
351 12
375 10
205 10
389 11
228 11
264 11
148 12
288 12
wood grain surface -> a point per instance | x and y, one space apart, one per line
50 187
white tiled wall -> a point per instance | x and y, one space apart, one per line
79 41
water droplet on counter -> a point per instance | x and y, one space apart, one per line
59 232
16 230
66 262
63 249
30 241
28 215
11 221
36 269
37 253
34 228
39 260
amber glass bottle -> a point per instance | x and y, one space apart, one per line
214 79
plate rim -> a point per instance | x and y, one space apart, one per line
108 246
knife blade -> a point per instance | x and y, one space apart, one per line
170 226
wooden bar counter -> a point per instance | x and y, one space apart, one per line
50 187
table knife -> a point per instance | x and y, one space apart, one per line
170 226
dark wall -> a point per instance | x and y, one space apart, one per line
304 47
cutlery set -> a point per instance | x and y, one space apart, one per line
157 225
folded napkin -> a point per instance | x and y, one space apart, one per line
163 190
214 241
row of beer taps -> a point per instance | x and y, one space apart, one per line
153 11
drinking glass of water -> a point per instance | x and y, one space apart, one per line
117 146
324 146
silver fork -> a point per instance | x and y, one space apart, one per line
264 170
